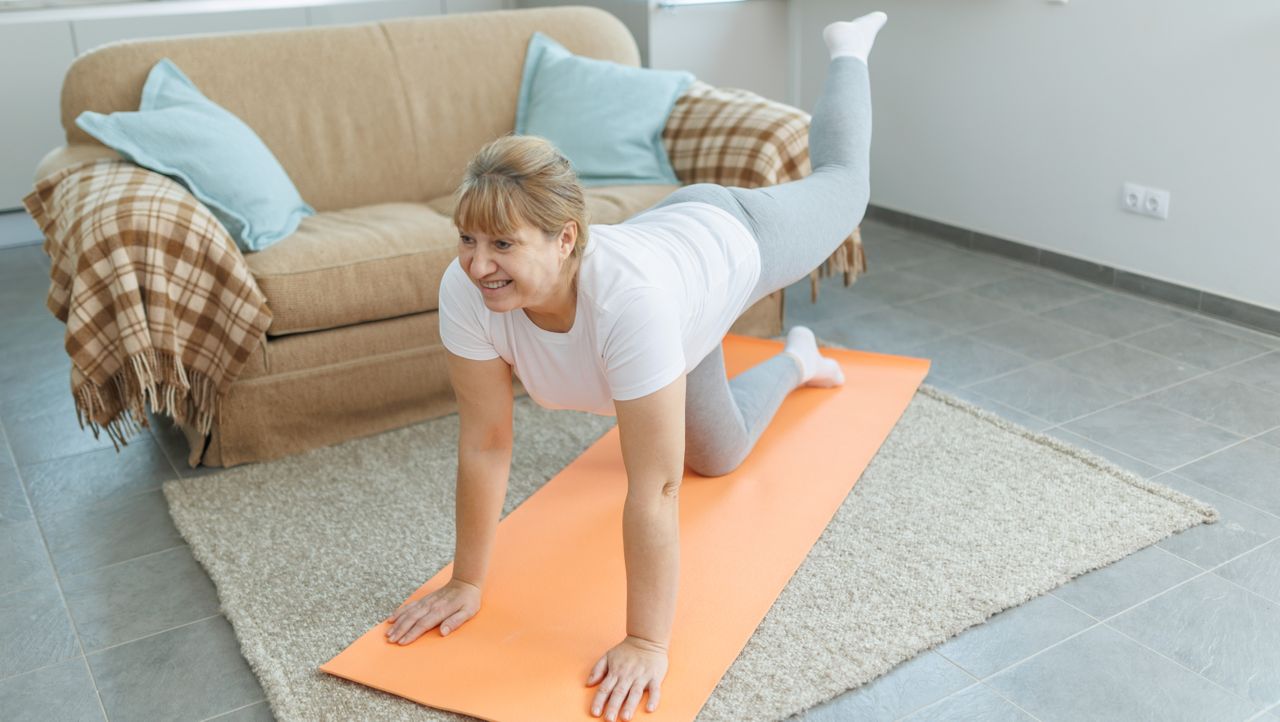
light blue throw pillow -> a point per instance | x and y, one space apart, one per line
605 117
182 134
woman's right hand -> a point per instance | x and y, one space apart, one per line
449 606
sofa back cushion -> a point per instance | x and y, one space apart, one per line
327 101
462 75
356 114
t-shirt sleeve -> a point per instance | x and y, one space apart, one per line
644 350
464 327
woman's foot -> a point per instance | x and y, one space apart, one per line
815 369
854 37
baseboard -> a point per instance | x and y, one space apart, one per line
1245 314
17 229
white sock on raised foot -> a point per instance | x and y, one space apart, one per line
854 37
815 369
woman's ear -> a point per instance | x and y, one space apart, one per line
568 238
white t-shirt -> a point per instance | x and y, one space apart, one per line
655 295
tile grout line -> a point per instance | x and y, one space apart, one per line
1187 314
969 387
51 665
910 229
1204 571
1049 360
1175 469
1231 560
977 682
947 290
1187 317
941 699
1101 623
177 475
1104 621
90 505
1159 470
901 306
1004 697
96 504
1180 664
157 552
237 709
158 633
1107 341
58 458
1245 437
57 578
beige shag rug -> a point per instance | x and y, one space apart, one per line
959 516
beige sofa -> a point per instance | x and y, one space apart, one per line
374 123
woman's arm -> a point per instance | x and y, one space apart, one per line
483 389
652 435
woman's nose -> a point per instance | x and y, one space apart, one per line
481 264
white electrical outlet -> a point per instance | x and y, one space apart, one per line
1131 197
1156 203
1145 201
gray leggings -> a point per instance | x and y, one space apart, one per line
797 226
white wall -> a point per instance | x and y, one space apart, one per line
736 45
29 121
1022 120
633 13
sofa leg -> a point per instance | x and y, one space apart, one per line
197 443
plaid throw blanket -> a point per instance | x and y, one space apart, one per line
737 138
158 302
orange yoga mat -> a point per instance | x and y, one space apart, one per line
555 597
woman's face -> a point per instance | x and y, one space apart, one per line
518 270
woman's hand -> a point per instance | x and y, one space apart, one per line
627 671
449 606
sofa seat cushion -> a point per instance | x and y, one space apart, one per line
355 265
300 352
606 204
384 261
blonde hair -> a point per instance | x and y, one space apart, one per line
520 179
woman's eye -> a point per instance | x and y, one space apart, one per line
465 240
502 245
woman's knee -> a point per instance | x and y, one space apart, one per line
716 463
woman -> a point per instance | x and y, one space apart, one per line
629 321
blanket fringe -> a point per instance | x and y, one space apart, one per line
119 406
849 260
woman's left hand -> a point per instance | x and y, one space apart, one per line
624 673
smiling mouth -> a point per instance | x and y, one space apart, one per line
494 285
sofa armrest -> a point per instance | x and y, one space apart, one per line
159 304
68 155
734 137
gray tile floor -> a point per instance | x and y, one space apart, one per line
104 613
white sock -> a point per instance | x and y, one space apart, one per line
854 37
815 369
